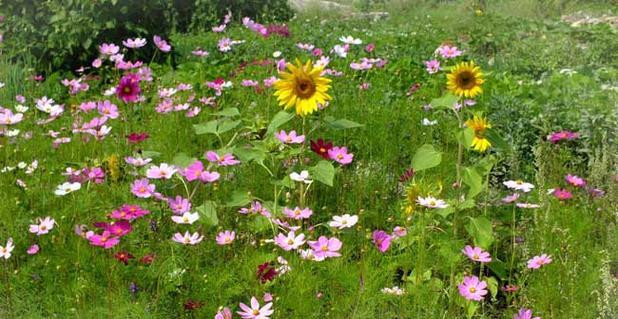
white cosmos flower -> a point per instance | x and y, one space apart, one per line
186 218
350 40
343 221
519 185
5 252
302 177
67 188
428 122
432 202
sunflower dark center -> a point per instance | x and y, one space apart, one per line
305 88
466 80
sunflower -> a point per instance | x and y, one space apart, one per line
479 125
303 87
465 80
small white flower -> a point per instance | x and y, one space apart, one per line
21 109
67 188
343 221
302 177
427 122
12 133
432 202
186 218
350 40
276 54
519 185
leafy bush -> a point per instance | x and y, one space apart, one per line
60 33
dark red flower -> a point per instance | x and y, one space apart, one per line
321 148
510 288
147 259
413 88
280 29
266 272
191 304
123 257
409 173
128 89
135 138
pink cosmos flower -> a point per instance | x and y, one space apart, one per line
255 208
108 109
224 160
33 250
449 52
255 312
187 239
472 288
137 161
382 240
186 218
538 261
575 180
268 297
43 227
289 242
340 155
96 63
128 89
200 53
179 205
226 313
108 49
399 231
268 82
510 198
225 44
134 43
163 171
290 138
118 228
433 66
562 194
325 247
161 44
142 188
527 205
225 237
249 83
370 47
105 240
524 314
297 213
196 171
476 254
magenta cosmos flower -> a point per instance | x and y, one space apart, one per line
297 213
224 160
524 314
105 240
562 135
161 44
575 180
290 138
225 237
340 155
382 240
226 313
539 261
128 89
449 52
562 194
325 247
472 288
255 312
476 254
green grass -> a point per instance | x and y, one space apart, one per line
526 98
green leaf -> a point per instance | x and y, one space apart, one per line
149 154
341 124
426 157
228 112
183 160
206 128
498 268
279 119
239 198
446 101
445 212
492 285
247 154
227 125
473 179
259 224
497 141
481 231
323 171
208 214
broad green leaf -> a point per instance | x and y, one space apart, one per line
260 224
279 119
150 154
183 160
492 285
445 212
227 125
473 179
324 172
497 141
208 214
481 231
426 157
239 198
206 128
446 101
247 154
498 268
228 112
341 124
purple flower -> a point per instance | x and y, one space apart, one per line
128 89
161 44
382 240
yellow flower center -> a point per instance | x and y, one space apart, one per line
472 290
